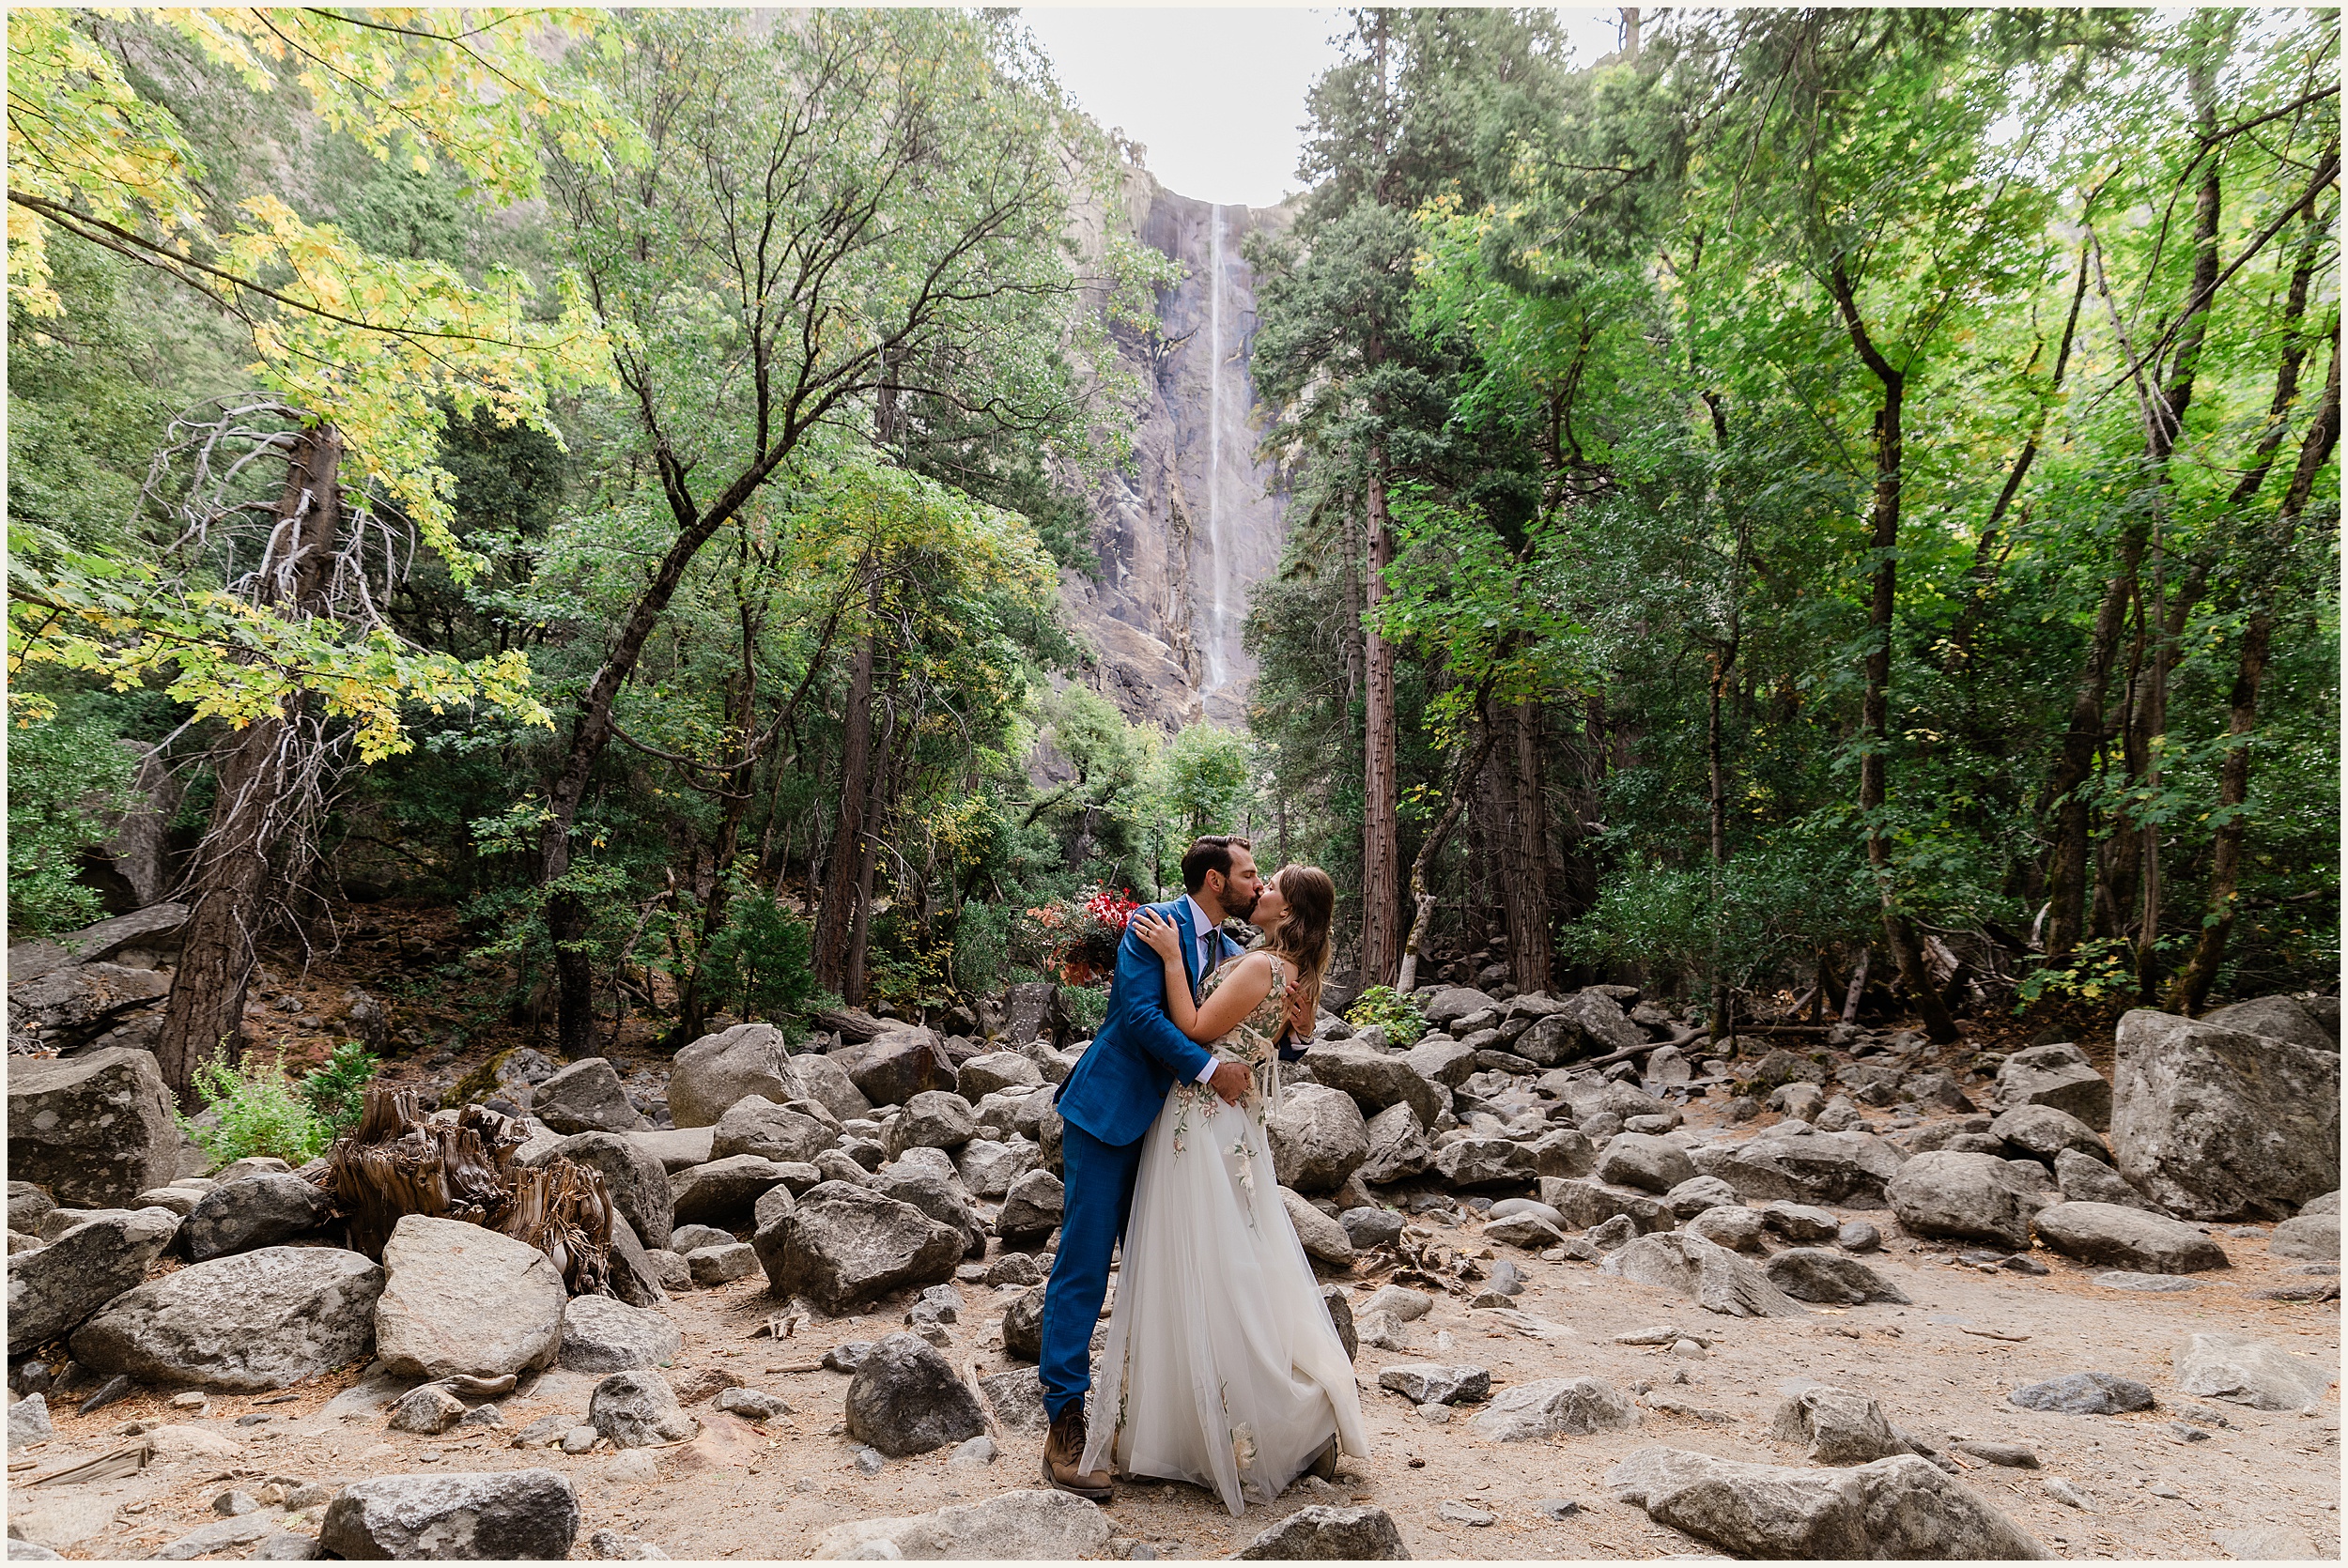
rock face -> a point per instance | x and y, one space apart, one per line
2060 1076
54 1288
638 1180
462 1298
846 1244
1027 1525
2219 1124
1320 1533
95 1130
2129 1238
258 1212
514 1515
1970 1197
1556 1408
1318 1138
2251 1372
1713 1277
600 1334
586 1096
637 1408
258 1320
1895 1508
906 1398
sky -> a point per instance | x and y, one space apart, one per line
1216 93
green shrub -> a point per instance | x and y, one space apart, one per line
1397 1014
259 1111
64 774
1086 1006
337 1091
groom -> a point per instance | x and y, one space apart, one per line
1107 1106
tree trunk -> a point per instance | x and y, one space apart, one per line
2200 974
835 920
1875 707
1526 893
1382 934
254 804
1422 899
852 987
1716 801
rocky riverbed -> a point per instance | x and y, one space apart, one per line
1868 1299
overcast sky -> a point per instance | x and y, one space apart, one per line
1216 93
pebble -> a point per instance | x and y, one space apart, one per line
869 1460
1435 1415
232 1505
1559 1508
2013 1455
191 1400
2068 1495
2186 1434
579 1439
2162 1489
1465 1513
976 1452
254 1419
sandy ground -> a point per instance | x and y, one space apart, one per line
740 1492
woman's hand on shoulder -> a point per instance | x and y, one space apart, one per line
1159 934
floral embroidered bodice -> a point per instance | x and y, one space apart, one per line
1249 1043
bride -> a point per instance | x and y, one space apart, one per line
1229 1372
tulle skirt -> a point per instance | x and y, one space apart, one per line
1222 1367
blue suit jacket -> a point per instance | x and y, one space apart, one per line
1119 1084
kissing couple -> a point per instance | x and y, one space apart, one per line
1227 1371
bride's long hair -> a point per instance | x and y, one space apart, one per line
1303 935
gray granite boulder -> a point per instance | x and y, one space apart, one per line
2212 1124
54 1289
1968 1197
258 1212
1898 1507
1713 1277
240 1324
93 1130
2129 1238
600 1334
2056 1075
845 1244
508 1515
635 1177
907 1398
585 1097
462 1298
1318 1136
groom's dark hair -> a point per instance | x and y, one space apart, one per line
1209 854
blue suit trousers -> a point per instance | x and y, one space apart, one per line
1097 1195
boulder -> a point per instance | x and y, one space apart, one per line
1849 1170
718 1071
1561 1152
52 1289
989 1168
1450 1004
2127 1237
1898 1507
1835 1426
1318 1533
2252 1372
2214 1124
1799 1223
27 1203
1692 1198
1555 1407
1584 1201
637 1408
635 1177
1318 1138
2083 1178
1737 1229
1640 1159
1715 1278
1396 1141
462 1298
907 1398
2058 1076
2282 1017
934 1118
1032 1011
2042 1132
1825 1276
2307 1235
428 1409
1375 1080
1023 1325
153 930
586 1096
933 1192
2084 1393
1969 1197
1322 1236
1031 1210
1434 1383
636 1277
600 1334
846 1244
1468 1163
896 1066
68 1009
258 1212
1443 1062
722 1191
1603 1023
28 1421
1528 1231
995 1071
787 1134
240 1324
512 1516
93 1130
1026 1526
1017 1399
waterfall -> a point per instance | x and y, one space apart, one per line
1218 556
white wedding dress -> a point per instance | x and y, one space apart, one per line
1222 1362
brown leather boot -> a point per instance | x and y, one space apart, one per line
1064 1450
